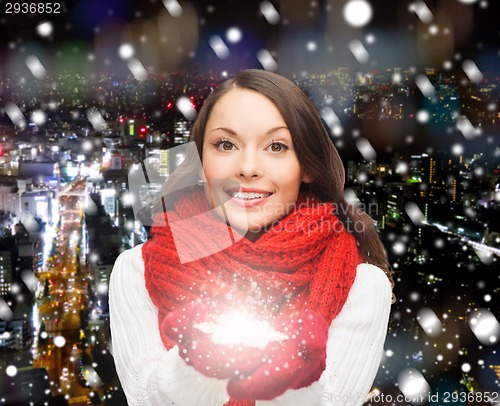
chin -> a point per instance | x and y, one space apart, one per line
244 228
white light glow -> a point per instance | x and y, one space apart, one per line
358 13
102 288
128 199
234 35
11 370
87 146
126 51
59 341
457 149
45 29
311 46
485 326
38 117
239 327
423 116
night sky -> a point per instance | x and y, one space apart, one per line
463 29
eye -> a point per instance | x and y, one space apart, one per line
224 145
277 146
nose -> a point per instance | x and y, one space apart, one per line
248 166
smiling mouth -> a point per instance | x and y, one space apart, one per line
247 195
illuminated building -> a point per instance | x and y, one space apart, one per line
5 272
133 128
182 129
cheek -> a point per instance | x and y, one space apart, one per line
214 170
287 174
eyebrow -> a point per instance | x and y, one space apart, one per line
232 132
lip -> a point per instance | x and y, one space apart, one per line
247 203
246 190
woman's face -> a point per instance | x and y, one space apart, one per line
249 162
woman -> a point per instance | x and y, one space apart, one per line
269 234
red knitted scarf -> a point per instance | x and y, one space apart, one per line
306 261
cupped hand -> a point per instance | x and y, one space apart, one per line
198 349
295 363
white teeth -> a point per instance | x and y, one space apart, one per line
248 196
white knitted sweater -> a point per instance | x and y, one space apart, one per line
152 375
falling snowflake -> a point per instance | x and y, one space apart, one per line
186 108
359 51
266 60
472 71
366 149
429 322
137 68
234 35
269 12
59 341
11 370
45 29
357 13
423 116
219 47
413 384
38 117
422 11
36 67
173 7
126 51
311 46
425 85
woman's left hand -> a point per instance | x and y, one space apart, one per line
294 363
197 348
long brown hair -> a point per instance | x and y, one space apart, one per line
314 148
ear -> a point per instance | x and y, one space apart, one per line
307 178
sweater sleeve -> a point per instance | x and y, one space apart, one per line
149 373
354 349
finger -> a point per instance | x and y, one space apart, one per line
267 382
177 325
222 361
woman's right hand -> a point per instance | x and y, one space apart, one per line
198 350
